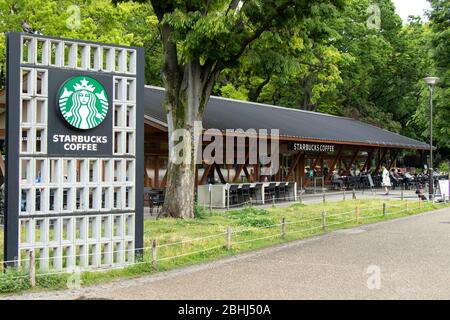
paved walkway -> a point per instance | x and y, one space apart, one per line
403 258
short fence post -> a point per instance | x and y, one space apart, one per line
384 209
343 195
324 219
210 198
32 270
406 204
273 200
443 198
154 253
354 194
315 185
250 201
228 237
357 214
283 228
300 198
420 202
323 196
401 195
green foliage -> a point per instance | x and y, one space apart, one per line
253 217
52 281
201 212
127 23
14 280
444 167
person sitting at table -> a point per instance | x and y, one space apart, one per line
337 179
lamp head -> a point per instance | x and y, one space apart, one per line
431 81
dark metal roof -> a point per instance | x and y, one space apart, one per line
223 114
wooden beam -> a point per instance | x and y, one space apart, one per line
316 161
397 152
367 162
247 174
333 164
380 162
256 172
219 172
205 174
352 160
293 166
164 181
240 168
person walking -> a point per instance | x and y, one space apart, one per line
386 181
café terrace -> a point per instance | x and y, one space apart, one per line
307 141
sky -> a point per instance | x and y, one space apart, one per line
406 8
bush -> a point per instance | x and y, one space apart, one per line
14 280
253 217
52 281
201 212
444 167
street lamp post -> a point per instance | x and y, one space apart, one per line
431 81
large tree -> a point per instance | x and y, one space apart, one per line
201 38
100 20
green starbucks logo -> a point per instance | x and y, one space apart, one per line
83 102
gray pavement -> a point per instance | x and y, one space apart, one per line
407 258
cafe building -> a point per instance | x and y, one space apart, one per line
308 142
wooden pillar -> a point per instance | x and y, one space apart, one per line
334 163
380 160
393 158
300 171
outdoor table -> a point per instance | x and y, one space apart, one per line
215 195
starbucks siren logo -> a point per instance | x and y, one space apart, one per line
83 102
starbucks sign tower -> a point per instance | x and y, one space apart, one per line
74 153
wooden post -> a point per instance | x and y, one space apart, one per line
354 194
323 196
154 253
228 237
32 271
420 202
283 228
384 209
406 204
228 198
357 214
250 201
324 219
210 198
343 195
273 200
401 195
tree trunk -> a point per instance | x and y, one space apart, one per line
179 198
185 105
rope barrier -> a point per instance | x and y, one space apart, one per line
425 204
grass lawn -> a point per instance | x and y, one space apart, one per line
251 228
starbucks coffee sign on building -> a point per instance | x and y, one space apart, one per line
75 153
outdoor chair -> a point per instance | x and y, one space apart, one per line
281 191
244 193
255 192
233 194
270 191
